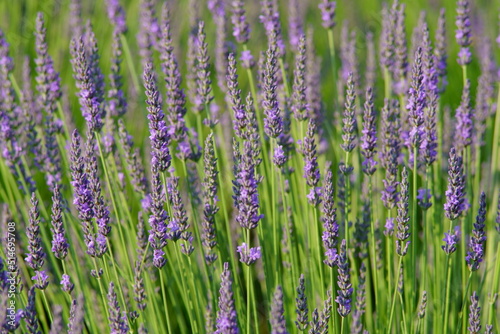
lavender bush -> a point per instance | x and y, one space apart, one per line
235 167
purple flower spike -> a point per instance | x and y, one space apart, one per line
273 123
311 170
116 15
36 255
159 137
301 306
118 323
451 240
227 321
403 218
59 243
476 243
369 138
475 314
158 220
327 8
329 218
349 117
41 279
210 208
279 158
203 82
344 282
424 198
464 116
248 255
248 198
277 318
455 194
300 107
241 28
66 284
463 33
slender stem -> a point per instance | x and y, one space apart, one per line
164 297
247 239
331 45
494 284
130 62
393 303
464 300
49 311
447 294
347 200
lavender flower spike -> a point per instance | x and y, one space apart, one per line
301 306
36 255
116 15
273 123
311 170
403 217
451 240
241 28
209 200
278 323
300 107
117 320
464 117
248 197
369 138
463 32
203 82
329 218
455 194
59 243
474 315
327 8
476 243
157 220
226 315
159 137
349 118
248 255
344 283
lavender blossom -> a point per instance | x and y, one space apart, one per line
116 15
273 123
387 39
349 117
301 306
476 243
88 95
295 23
76 316
474 315
116 105
227 322
440 50
277 317
179 217
311 170
369 138
424 198
248 198
400 66
403 217
30 315
210 208
344 282
248 255
329 218
175 98
451 240
455 194
241 28
327 8
48 87
59 244
159 136
66 284
279 157
40 280
96 75
423 305
117 320
300 107
240 123
390 153
203 82
464 117
463 32
357 326
157 220
416 106
270 18
36 255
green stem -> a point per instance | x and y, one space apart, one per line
393 303
464 302
164 297
447 294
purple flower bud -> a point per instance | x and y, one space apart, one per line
241 28
273 123
36 255
116 15
248 255
476 243
424 198
475 314
403 217
464 117
451 240
300 107
369 137
301 306
203 82
41 279
463 32
349 117
66 284
327 8
344 282
210 208
118 323
227 321
277 318
455 194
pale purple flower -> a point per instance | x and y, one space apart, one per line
248 255
327 8
66 284
41 279
227 321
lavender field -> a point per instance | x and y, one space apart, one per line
244 166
